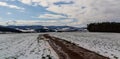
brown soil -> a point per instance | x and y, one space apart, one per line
68 50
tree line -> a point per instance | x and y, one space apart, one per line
104 27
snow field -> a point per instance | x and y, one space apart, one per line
24 46
107 44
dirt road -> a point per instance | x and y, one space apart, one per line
68 50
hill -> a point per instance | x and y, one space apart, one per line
6 29
39 28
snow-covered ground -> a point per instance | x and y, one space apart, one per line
24 46
107 44
27 46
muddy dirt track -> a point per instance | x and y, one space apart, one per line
68 50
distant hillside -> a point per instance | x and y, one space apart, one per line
104 27
6 29
39 28
26 27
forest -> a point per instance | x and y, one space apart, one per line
104 27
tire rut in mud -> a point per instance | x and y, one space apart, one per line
68 50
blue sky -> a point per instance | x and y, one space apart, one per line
58 12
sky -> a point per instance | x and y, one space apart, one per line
58 12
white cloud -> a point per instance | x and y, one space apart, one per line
93 10
84 11
51 16
8 13
26 1
37 2
44 3
2 22
10 6
36 22
0 18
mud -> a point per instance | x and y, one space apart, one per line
68 50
